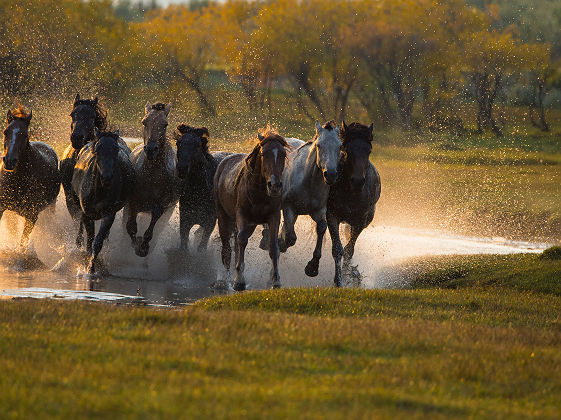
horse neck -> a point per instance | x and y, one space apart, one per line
255 182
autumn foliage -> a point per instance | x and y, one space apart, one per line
405 62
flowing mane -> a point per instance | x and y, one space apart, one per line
100 112
19 112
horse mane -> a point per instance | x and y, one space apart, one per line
329 125
100 112
201 132
158 106
19 112
101 134
356 130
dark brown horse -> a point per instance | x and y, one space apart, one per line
196 167
156 177
247 192
103 181
87 114
29 177
353 197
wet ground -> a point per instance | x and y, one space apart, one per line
170 277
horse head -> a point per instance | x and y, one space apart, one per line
357 145
86 115
192 146
16 136
328 149
155 122
269 155
106 151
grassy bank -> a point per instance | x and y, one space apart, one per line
485 346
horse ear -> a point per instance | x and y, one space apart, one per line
344 125
95 101
318 127
76 99
147 107
260 137
29 116
167 109
371 128
97 132
9 116
117 132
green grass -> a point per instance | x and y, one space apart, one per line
474 337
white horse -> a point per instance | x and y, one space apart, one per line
306 182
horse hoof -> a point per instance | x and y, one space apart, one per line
264 244
312 268
282 245
337 282
142 249
276 286
239 287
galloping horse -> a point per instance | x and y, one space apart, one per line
87 114
247 192
156 176
196 167
312 169
29 177
352 199
103 181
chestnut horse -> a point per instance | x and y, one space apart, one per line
247 192
29 177
353 197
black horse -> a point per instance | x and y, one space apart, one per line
103 181
196 167
29 177
353 197
87 114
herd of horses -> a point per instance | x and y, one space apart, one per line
329 178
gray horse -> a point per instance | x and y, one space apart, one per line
306 181
156 177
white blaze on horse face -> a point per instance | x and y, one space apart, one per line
275 153
14 136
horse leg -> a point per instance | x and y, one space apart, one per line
274 223
100 238
349 249
144 247
337 247
245 230
207 231
225 229
90 232
185 226
28 227
265 235
288 235
80 236
132 227
312 268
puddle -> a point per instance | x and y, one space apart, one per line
169 277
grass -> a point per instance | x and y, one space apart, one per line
465 341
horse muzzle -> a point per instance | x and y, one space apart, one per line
274 189
358 183
151 152
9 164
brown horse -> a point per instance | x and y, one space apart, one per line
156 177
247 192
29 177
353 197
87 115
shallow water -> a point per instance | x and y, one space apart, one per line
170 277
